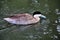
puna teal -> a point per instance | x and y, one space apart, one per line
24 18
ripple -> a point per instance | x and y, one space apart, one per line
45 32
57 11
57 20
58 28
55 36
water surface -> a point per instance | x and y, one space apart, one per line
48 29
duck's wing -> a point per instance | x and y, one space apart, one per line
22 17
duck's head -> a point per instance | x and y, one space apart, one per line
39 14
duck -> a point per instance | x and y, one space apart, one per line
25 18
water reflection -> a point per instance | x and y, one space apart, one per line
57 11
58 28
44 30
57 21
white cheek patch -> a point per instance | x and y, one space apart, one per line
37 15
40 15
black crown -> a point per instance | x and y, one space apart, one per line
36 12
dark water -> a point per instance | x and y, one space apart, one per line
48 29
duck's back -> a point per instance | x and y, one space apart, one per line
22 17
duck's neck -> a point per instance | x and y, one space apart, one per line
37 18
